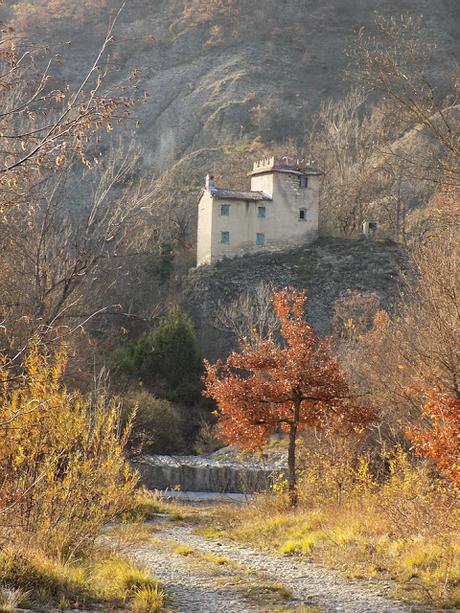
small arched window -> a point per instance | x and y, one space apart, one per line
303 181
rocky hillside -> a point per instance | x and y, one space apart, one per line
326 269
215 76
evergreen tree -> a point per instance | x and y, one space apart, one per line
166 359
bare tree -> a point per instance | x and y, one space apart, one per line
344 143
40 124
395 64
250 316
59 258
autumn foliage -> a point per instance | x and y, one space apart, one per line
292 384
441 440
62 469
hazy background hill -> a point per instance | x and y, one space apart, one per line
214 77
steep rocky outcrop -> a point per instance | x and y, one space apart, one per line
326 269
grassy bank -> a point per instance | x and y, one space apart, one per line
64 477
32 577
404 530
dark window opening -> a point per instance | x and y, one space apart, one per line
303 181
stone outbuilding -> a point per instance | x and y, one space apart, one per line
280 211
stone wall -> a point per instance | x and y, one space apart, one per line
198 474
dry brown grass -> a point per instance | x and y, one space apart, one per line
103 578
404 530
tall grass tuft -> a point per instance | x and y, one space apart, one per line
148 600
10 598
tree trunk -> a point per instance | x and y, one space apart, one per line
292 473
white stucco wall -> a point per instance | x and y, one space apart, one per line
204 231
281 226
288 199
242 223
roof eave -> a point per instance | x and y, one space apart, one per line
255 196
292 171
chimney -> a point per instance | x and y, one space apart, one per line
210 185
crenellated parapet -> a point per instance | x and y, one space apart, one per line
282 162
264 164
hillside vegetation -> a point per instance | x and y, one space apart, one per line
326 269
219 72
112 113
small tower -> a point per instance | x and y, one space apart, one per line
280 211
370 229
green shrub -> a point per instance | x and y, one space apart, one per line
166 359
162 264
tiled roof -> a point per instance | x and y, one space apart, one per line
228 194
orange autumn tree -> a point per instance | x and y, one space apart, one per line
441 441
291 384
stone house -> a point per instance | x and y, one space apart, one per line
280 211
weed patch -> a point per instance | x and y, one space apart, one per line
148 600
183 550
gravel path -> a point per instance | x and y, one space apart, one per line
194 590
191 588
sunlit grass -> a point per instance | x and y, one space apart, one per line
406 531
34 579
146 505
116 579
183 550
148 600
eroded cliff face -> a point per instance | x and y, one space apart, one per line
212 82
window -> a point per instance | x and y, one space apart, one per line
225 238
303 181
225 210
302 214
260 239
261 212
